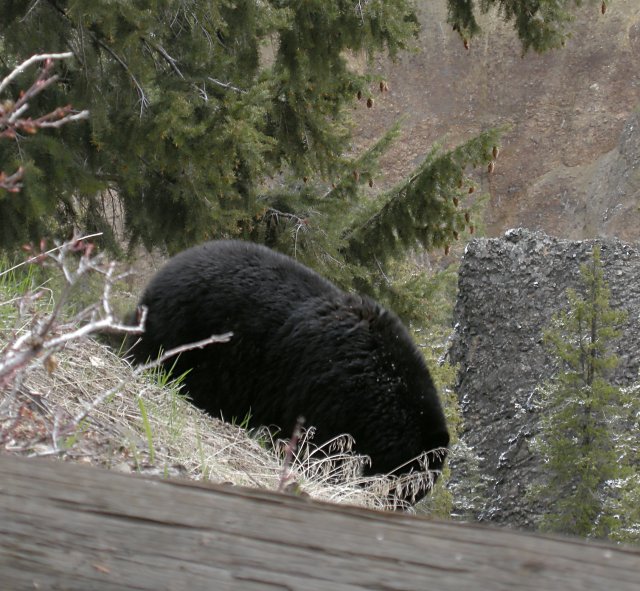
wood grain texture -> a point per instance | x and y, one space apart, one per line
69 527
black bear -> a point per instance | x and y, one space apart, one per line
300 347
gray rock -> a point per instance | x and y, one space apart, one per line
509 290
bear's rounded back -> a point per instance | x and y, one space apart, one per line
300 347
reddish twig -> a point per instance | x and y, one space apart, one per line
290 452
12 113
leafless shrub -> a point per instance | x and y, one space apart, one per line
46 334
333 468
13 113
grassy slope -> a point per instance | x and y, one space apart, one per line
139 423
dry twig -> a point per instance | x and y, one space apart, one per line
13 119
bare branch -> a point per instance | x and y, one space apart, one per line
12 114
47 335
38 341
165 55
13 182
144 101
222 338
66 119
34 259
34 59
226 85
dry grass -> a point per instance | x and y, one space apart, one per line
134 423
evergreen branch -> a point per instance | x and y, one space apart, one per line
424 208
170 60
144 102
539 25
361 168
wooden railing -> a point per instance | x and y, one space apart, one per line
70 527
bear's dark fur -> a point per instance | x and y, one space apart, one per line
300 347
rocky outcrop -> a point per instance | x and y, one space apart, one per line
596 198
509 289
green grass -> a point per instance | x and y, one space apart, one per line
147 429
14 283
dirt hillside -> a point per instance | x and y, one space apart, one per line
570 160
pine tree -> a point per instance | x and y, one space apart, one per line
540 24
356 240
624 502
196 105
580 406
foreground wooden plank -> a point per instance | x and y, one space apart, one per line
70 527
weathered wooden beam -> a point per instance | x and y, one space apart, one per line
64 526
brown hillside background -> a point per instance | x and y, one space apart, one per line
570 160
